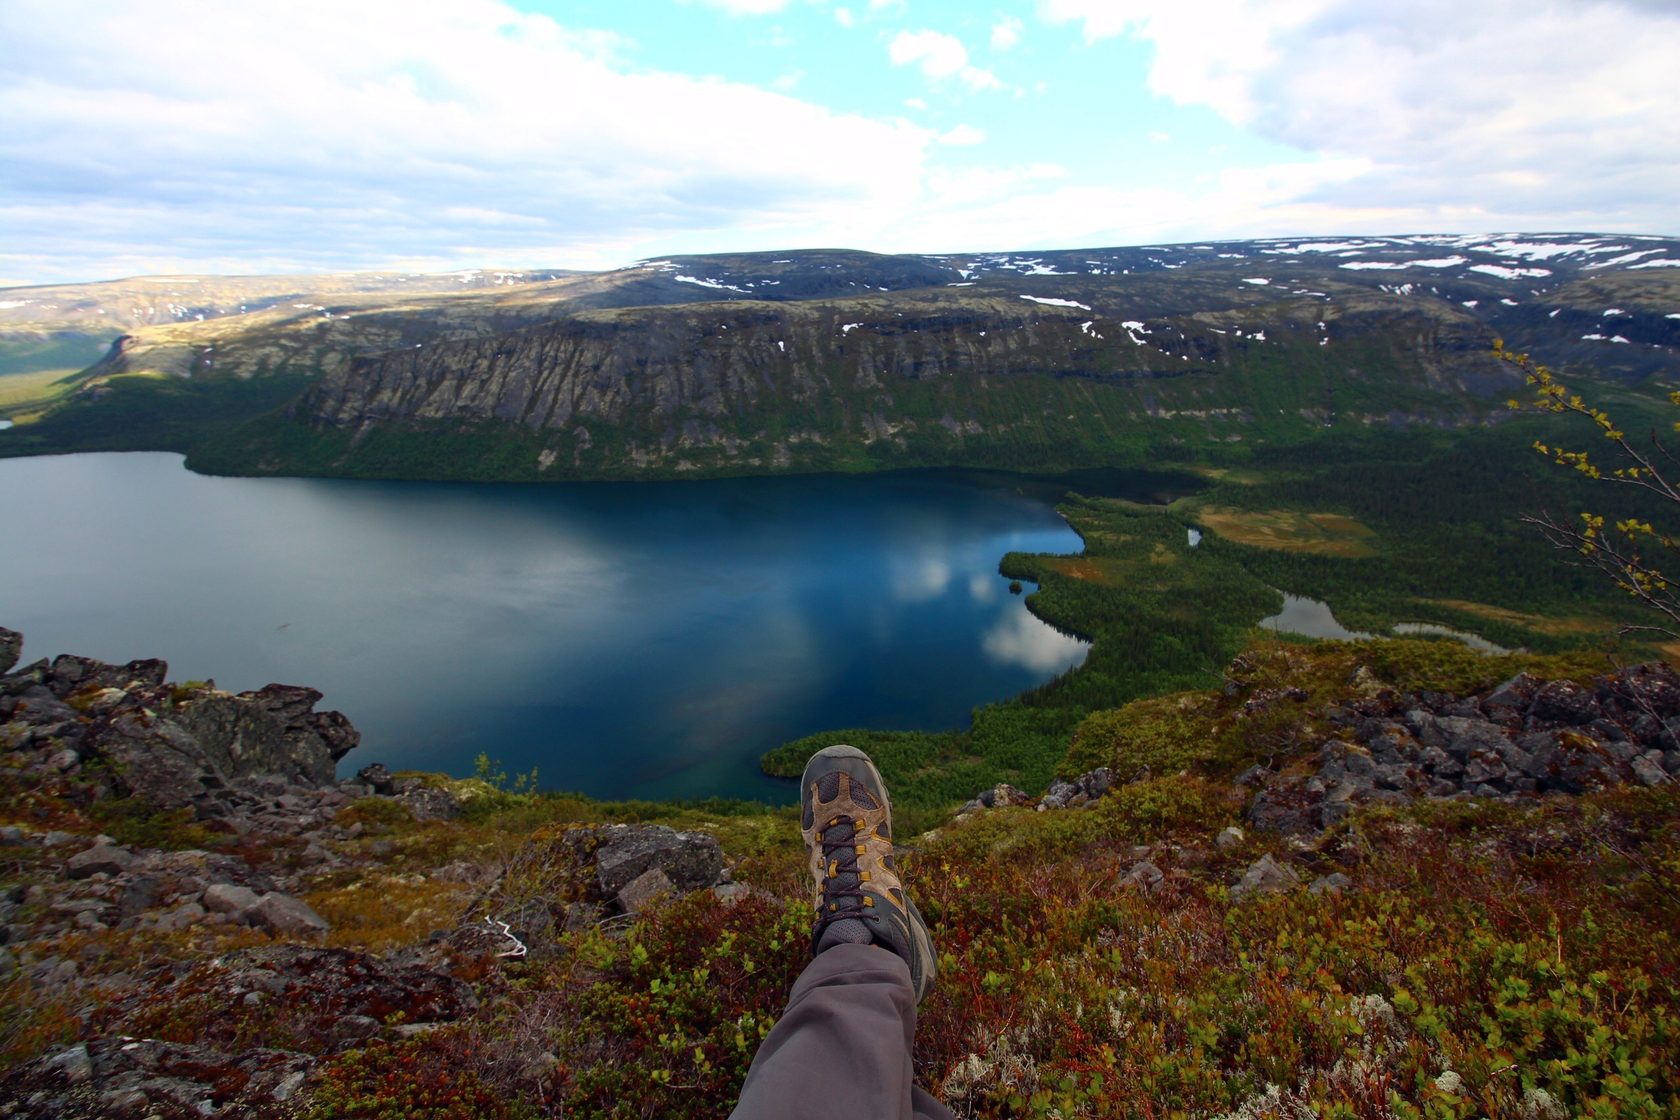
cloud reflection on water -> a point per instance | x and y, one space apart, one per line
1020 639
916 579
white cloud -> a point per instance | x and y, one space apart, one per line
747 7
786 83
437 134
844 17
385 134
963 135
940 56
1006 33
1560 111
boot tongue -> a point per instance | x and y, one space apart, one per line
838 844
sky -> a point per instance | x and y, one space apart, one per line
203 136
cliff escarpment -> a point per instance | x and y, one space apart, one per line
837 360
937 379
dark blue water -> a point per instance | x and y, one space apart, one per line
646 640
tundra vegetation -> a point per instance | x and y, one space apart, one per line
1502 957
1247 891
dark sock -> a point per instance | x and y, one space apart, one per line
847 931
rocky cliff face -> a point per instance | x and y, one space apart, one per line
836 360
757 385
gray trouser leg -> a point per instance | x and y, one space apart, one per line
842 1047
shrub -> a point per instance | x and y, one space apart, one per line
132 821
1163 735
395 1081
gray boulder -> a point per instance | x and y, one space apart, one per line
74 1064
1265 876
1002 795
1144 876
1514 696
428 803
285 914
690 860
1334 883
107 858
229 898
11 648
645 889
271 731
1565 702
1649 772
378 778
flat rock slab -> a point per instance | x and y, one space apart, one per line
690 860
285 914
101 858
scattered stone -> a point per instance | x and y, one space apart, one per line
377 778
107 859
1525 737
1229 838
288 1085
1647 771
645 889
1334 883
1058 795
286 915
184 916
1144 875
429 803
229 898
690 860
74 1064
1265 876
11 648
1537 1104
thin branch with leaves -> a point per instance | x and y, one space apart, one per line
1620 549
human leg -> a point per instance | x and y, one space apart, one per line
843 1045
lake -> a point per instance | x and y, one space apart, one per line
626 640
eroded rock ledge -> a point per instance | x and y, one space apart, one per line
125 732
1525 737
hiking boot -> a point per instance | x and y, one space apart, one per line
847 822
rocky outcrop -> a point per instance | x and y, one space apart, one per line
1076 794
129 734
690 387
1525 737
